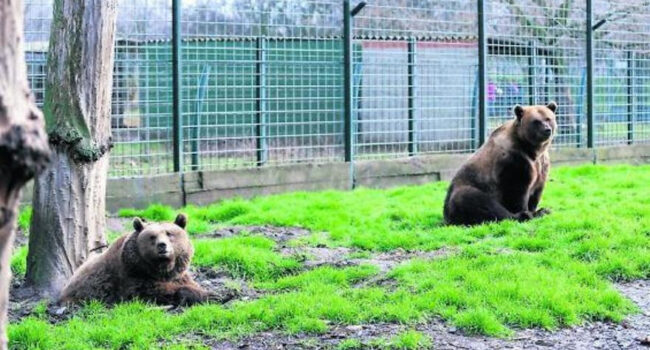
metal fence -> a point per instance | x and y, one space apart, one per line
216 84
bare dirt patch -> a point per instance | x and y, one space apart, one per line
24 302
386 261
278 234
342 257
227 289
313 257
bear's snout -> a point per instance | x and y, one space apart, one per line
162 247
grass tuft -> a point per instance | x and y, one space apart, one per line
155 212
322 276
350 344
410 340
19 261
250 257
25 218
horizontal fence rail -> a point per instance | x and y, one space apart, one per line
212 85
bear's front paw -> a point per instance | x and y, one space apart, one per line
523 216
542 212
189 296
223 296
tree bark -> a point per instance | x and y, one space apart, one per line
23 143
68 224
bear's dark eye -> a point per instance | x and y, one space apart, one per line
538 122
152 238
169 234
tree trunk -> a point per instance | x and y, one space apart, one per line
69 197
23 143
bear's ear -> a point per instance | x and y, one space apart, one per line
518 110
138 225
552 106
181 221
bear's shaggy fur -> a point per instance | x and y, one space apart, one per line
505 178
150 263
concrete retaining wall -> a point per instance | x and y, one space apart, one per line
206 187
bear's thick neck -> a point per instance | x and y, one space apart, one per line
531 150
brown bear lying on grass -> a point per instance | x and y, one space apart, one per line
505 178
150 264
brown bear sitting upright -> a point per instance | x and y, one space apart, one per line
505 178
150 264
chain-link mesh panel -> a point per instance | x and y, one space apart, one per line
414 78
262 83
536 53
142 90
621 72
38 18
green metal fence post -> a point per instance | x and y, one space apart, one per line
532 66
260 121
348 84
482 74
590 76
347 79
412 143
631 110
547 81
176 88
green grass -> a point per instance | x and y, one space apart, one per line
155 212
250 257
159 212
321 276
25 218
408 340
19 261
547 273
19 257
484 293
350 344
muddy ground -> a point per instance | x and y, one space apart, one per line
630 334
